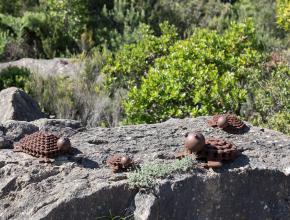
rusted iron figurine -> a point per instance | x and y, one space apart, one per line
43 145
213 150
217 150
120 163
229 123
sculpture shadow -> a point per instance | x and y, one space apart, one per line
77 156
233 130
88 163
240 161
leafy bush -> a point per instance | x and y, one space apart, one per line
187 15
271 92
69 15
204 74
283 13
49 28
147 176
7 33
26 35
263 15
14 76
66 27
120 24
17 7
4 40
35 35
126 68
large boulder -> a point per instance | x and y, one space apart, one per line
17 105
254 186
56 66
13 131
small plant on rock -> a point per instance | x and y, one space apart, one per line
147 175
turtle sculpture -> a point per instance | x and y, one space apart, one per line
120 163
229 123
213 150
44 145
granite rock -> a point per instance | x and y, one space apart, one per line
81 186
17 105
44 67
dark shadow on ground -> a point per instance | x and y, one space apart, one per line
78 157
233 130
240 161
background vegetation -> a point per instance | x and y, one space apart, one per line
147 61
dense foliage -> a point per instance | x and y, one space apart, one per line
49 28
14 76
270 96
129 64
262 12
148 60
283 13
204 74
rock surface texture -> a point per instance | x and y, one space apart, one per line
254 186
56 66
15 104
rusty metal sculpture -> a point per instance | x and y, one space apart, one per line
213 150
217 150
229 123
120 163
44 145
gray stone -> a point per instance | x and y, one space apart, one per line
15 130
56 66
17 105
254 186
60 127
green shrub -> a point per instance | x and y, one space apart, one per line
262 12
126 68
188 15
4 40
17 7
120 24
14 76
283 13
271 92
204 74
35 35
